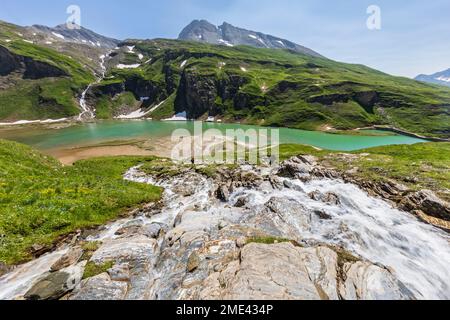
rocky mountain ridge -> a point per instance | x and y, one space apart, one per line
229 35
78 35
442 78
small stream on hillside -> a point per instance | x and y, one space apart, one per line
86 112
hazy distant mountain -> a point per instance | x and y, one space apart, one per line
442 78
82 35
229 35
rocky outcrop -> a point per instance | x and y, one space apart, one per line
422 203
4 269
139 87
110 90
365 281
427 202
29 67
101 287
70 258
297 167
9 62
272 234
367 99
285 272
330 99
37 70
57 284
196 95
206 94
145 88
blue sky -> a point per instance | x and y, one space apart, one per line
414 38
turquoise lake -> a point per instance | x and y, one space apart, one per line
102 132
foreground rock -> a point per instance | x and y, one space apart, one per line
68 259
285 272
294 232
57 284
427 202
101 287
3 269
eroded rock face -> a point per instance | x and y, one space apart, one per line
52 287
31 69
365 281
297 167
8 62
57 284
279 271
3 269
427 202
68 259
196 95
283 271
134 249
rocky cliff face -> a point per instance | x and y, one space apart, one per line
142 89
200 95
8 62
229 35
30 68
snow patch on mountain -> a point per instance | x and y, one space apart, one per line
128 66
445 79
58 35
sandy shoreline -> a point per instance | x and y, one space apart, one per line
161 147
155 147
70 156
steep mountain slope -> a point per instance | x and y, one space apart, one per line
442 78
42 80
82 36
265 86
229 35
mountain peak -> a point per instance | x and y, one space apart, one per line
81 35
442 78
229 35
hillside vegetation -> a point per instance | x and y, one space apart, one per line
38 82
41 200
272 87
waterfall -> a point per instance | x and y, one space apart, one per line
87 112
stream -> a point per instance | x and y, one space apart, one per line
86 112
416 253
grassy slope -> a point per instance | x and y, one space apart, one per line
43 98
419 166
404 103
41 200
